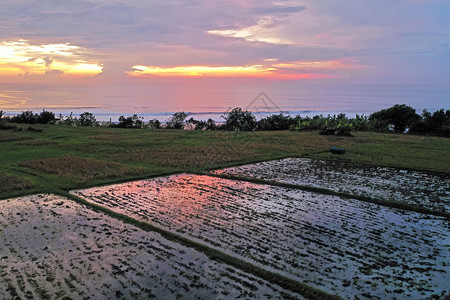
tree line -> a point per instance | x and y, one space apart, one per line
396 119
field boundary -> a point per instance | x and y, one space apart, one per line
273 277
382 202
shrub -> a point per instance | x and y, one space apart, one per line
275 122
25 117
400 117
87 119
177 121
46 117
130 122
210 124
154 124
237 119
437 123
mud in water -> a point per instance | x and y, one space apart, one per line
341 246
52 248
412 187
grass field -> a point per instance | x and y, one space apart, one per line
57 159
64 158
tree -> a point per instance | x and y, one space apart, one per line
25 117
70 120
237 119
154 124
131 122
275 122
210 124
177 121
46 117
400 117
1 119
87 119
196 124
437 123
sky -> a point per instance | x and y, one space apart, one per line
186 51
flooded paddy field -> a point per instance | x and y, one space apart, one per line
342 246
54 248
412 187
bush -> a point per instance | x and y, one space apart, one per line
210 124
237 119
46 117
87 119
154 124
400 117
130 122
177 121
25 117
275 122
437 123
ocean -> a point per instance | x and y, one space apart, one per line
212 100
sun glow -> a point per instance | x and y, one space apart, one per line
269 68
326 64
22 58
204 71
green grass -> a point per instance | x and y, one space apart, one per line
63 158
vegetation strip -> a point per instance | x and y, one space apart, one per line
319 190
275 278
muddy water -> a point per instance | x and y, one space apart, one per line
342 246
412 187
51 248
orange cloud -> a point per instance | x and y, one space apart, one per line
204 71
22 58
325 64
270 68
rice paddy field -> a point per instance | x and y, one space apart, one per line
417 188
107 213
346 247
54 248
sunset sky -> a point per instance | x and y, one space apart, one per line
170 44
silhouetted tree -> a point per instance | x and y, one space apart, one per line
154 124
238 119
275 122
46 117
177 121
400 117
210 124
25 117
87 119
130 122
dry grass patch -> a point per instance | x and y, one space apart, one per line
10 183
80 169
107 137
12 137
35 142
187 157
